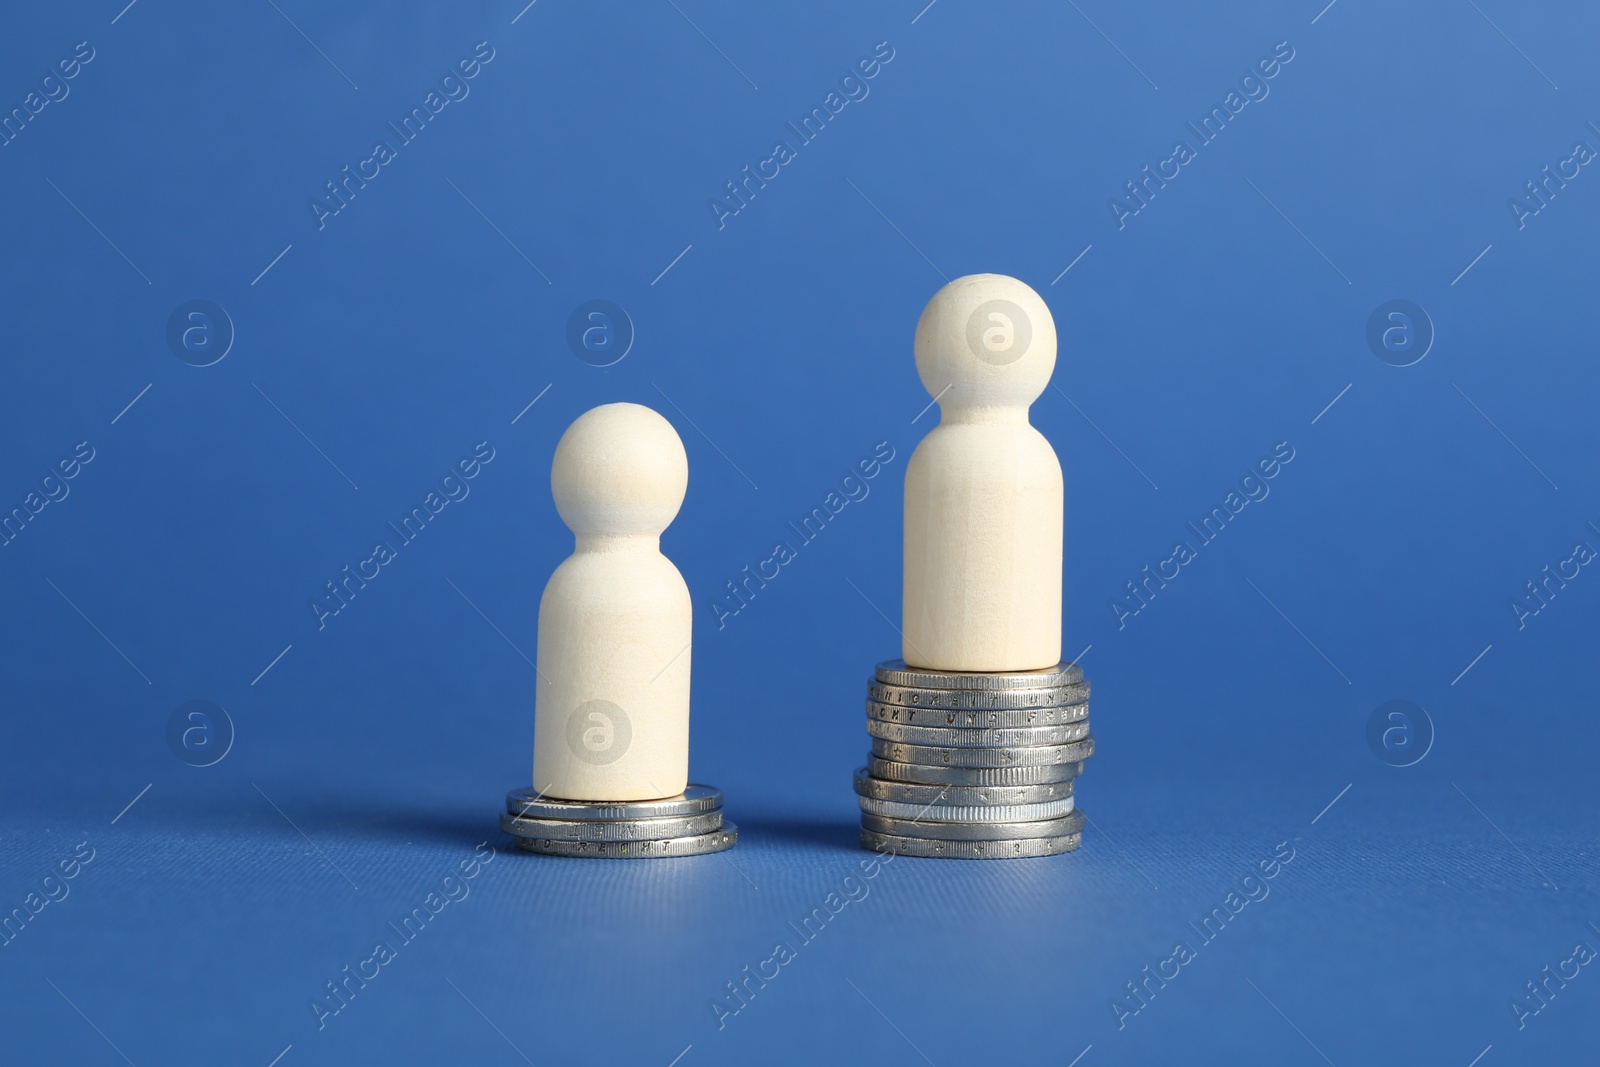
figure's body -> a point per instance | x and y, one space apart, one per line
983 499
611 705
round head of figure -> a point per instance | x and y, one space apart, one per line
620 469
985 340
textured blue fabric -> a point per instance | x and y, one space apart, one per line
1261 882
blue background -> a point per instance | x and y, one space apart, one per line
371 755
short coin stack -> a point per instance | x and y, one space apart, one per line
689 824
969 765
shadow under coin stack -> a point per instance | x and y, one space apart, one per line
969 765
689 824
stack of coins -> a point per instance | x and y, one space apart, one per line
969 765
689 824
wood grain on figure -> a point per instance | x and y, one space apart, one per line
983 502
611 705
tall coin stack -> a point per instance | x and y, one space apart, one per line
969 765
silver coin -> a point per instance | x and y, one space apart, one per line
971 718
1021 848
911 773
1071 823
695 800
698 845
978 699
895 672
981 737
1010 756
612 829
935 814
960 795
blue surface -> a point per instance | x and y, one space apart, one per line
370 355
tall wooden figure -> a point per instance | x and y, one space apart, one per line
611 711
983 501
